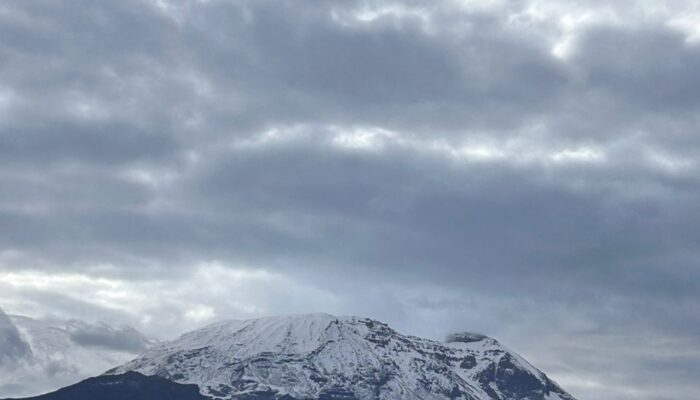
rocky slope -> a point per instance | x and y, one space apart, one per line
129 386
320 356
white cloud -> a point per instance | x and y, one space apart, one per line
212 291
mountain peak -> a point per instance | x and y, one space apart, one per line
320 356
277 321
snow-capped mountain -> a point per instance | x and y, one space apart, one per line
321 356
40 355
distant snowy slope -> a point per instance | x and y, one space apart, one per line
37 356
319 356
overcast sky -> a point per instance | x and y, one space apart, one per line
525 169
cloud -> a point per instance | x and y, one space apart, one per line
102 335
13 347
527 169
49 353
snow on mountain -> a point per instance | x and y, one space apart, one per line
37 356
320 356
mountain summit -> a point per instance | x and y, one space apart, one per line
320 356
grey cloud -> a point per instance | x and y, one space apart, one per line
635 85
55 142
102 335
649 68
12 347
294 68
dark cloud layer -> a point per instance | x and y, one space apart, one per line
104 336
528 169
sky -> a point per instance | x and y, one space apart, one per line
527 169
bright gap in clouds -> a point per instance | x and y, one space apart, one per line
212 292
516 151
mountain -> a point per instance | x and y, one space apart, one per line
321 356
37 355
129 386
